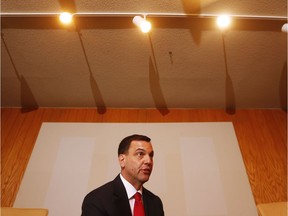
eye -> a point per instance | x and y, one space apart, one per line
140 154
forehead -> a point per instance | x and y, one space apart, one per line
139 144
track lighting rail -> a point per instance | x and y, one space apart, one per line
119 14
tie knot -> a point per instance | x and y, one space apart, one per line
137 196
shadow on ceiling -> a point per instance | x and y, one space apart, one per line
68 6
194 7
28 101
229 88
99 101
155 86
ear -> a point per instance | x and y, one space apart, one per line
122 160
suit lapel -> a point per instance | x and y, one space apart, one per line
147 204
122 206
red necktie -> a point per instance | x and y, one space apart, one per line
138 206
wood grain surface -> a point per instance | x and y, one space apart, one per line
262 137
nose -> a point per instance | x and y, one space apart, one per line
148 159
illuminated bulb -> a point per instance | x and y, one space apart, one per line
143 24
223 21
65 17
285 28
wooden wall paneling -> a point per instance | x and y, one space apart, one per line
262 137
15 161
280 123
92 115
132 115
77 115
259 153
111 115
246 138
9 119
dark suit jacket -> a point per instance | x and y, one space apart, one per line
111 200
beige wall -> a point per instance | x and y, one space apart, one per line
262 136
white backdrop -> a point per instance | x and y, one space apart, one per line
198 168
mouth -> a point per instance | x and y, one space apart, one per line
146 171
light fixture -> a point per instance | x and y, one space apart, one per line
223 21
220 19
142 23
285 28
66 18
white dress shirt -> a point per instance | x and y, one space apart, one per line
130 190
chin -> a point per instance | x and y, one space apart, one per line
145 179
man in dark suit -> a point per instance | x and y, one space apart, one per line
116 198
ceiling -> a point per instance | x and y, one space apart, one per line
104 61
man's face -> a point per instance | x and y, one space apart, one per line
137 164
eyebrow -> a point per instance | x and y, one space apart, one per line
143 150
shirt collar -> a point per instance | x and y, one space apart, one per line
129 188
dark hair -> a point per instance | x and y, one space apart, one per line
125 143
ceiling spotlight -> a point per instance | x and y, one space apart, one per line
66 18
223 21
142 23
285 28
